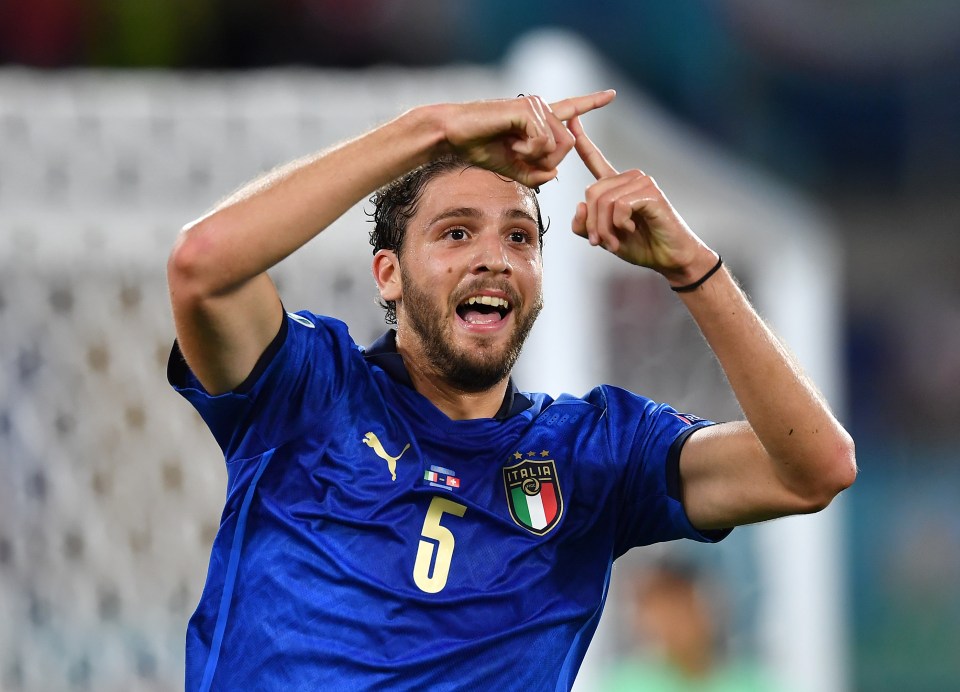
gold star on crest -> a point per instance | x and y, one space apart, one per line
517 455
544 454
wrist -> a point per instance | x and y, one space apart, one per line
695 273
412 139
430 123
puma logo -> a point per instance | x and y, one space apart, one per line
371 441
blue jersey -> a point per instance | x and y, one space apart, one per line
369 542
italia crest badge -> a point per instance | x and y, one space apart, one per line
533 492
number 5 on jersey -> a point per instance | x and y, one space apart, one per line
436 546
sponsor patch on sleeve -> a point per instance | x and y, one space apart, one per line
688 418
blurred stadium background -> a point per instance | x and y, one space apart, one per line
834 122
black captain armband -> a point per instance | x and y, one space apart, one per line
699 282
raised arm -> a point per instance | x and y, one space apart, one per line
226 309
791 455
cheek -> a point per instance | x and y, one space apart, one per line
533 271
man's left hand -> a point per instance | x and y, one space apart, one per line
628 215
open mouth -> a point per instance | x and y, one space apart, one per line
483 309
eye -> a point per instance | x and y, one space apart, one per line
518 235
456 233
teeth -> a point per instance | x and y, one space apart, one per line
489 300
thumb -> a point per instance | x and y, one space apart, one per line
579 224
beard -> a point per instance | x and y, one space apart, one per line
472 369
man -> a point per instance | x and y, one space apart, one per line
404 517
680 625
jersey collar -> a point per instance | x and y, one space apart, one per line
383 353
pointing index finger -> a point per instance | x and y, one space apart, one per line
578 105
589 153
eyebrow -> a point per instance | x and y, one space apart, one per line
474 213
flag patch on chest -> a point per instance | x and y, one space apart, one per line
533 494
440 477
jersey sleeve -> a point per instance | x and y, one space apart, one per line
646 439
300 374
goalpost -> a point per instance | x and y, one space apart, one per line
112 487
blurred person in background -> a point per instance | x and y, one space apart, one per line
403 516
680 636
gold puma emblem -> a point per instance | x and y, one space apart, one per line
371 441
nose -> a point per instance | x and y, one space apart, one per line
491 255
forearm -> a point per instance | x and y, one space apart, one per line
272 217
809 451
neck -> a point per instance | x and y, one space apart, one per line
454 402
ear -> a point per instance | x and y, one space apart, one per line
386 272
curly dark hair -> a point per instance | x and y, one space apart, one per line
395 204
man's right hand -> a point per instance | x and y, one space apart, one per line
523 138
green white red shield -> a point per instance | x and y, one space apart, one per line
533 494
